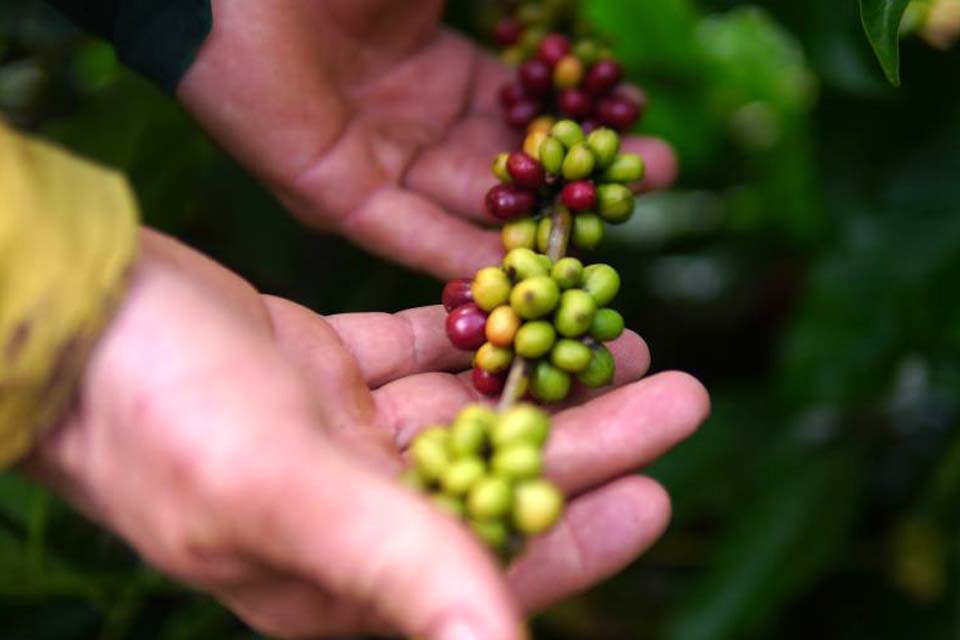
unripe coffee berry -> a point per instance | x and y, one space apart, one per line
493 359
513 56
568 73
521 113
603 77
607 325
490 498
538 505
412 479
618 112
500 168
525 170
534 339
430 458
465 327
453 507
461 475
602 282
545 261
507 201
507 31
614 202
534 297
531 143
553 48
519 233
542 124
575 103
544 229
551 154
502 326
570 355
586 50
491 288
548 384
626 167
601 369
568 132
536 78
575 313
494 533
518 461
521 264
489 384
605 144
457 293
578 163
579 195
521 423
567 273
469 433
587 231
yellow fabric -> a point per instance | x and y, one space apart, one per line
68 234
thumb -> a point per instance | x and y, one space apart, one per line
369 541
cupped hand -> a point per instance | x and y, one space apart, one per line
249 448
368 119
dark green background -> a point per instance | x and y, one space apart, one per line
805 267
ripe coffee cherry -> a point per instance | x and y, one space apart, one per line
538 505
519 233
575 313
499 168
587 231
518 461
519 115
507 31
457 293
461 475
567 273
607 325
568 73
535 339
605 143
618 112
525 170
578 163
489 384
534 297
552 48
490 498
549 384
602 282
536 78
579 195
551 154
600 371
510 94
493 359
507 201
603 77
521 423
626 167
521 264
575 103
502 326
614 203
570 355
465 327
490 288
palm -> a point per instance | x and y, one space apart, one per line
369 120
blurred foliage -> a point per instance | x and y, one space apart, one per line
803 267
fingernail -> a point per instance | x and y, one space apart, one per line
457 629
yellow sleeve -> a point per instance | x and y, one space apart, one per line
68 235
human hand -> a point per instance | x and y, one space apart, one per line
249 448
367 119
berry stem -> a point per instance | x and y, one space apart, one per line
559 232
516 381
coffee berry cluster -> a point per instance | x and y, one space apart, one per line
485 469
553 314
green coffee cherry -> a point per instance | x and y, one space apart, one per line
567 273
450 505
493 359
519 233
586 50
521 264
551 154
436 432
575 313
468 435
579 163
544 227
600 370
518 461
548 383
626 167
490 498
500 168
567 132
491 288
607 325
461 475
521 423
534 297
494 533
587 230
534 339
602 282
545 261
605 143
537 507
614 202
412 479
430 457
570 355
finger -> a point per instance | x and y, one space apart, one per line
659 159
600 533
490 75
390 346
380 545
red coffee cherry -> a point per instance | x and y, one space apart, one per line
522 113
466 327
603 77
508 201
525 170
510 94
575 103
618 112
507 31
579 195
457 293
489 384
536 78
552 48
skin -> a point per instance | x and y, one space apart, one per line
368 119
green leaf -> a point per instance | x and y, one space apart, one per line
881 20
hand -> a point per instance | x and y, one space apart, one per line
248 447
367 119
